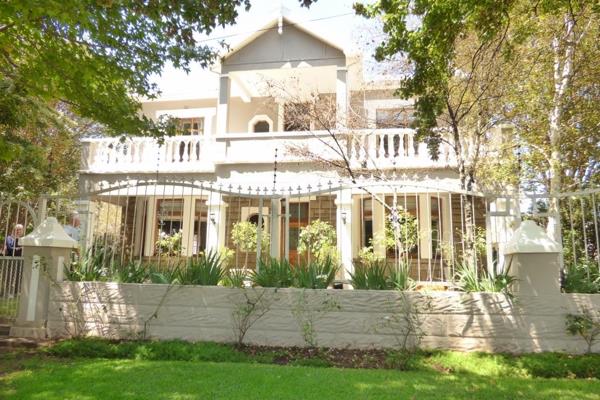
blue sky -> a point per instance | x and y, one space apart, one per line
333 17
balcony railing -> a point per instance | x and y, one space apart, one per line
381 148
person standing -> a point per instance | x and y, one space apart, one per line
12 248
74 228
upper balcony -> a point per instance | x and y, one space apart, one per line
364 149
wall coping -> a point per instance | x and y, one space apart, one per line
531 238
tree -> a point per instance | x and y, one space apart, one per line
244 235
558 29
95 57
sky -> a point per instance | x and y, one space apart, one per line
335 18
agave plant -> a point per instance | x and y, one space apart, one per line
235 277
371 275
90 267
202 270
131 272
273 273
315 275
472 280
400 278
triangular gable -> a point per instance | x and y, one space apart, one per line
295 43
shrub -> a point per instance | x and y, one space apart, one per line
169 244
315 274
272 273
318 241
202 270
244 236
584 325
582 277
401 231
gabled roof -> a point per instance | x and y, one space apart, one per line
280 19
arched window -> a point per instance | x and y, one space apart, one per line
260 123
254 219
261 126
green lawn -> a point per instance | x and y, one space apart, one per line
48 379
101 369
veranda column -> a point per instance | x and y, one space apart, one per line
222 105
533 258
149 233
378 225
343 204
341 98
215 226
275 227
46 251
187 236
424 225
87 216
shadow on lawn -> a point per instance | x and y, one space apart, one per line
129 379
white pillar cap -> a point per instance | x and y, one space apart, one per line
49 234
531 238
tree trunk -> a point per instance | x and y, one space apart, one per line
563 49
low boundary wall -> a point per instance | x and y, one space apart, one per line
339 318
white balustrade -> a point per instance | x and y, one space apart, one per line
380 148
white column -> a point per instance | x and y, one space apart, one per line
222 105
425 225
149 237
187 237
275 227
356 225
138 224
87 215
379 226
46 251
215 224
280 116
343 204
341 98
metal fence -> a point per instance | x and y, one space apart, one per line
11 272
433 231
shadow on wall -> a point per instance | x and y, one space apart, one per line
280 317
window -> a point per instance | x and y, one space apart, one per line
199 240
191 126
254 219
262 126
367 221
436 223
169 219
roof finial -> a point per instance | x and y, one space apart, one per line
280 22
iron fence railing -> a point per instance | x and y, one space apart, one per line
11 273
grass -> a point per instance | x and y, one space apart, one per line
8 308
179 370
